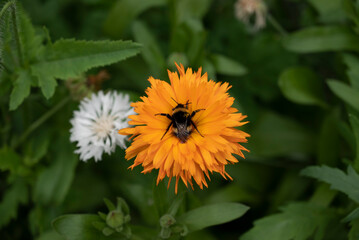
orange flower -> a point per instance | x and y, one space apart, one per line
184 151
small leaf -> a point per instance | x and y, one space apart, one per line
297 221
321 39
210 215
109 204
345 92
21 89
47 84
227 66
14 196
80 227
346 183
301 85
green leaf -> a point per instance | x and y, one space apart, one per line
10 160
151 50
329 140
297 221
14 196
53 182
354 230
211 215
301 85
69 58
36 148
322 39
160 197
353 215
353 69
124 12
338 180
21 89
354 122
50 235
186 9
227 66
348 94
80 227
329 11
351 11
286 136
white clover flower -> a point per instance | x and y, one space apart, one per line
95 125
244 9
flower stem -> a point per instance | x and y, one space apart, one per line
16 32
276 25
323 195
41 120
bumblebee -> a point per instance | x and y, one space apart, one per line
181 120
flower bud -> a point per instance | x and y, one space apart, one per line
115 219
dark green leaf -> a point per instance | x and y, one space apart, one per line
354 231
297 221
10 160
124 12
186 9
301 85
329 141
80 227
345 92
36 147
279 130
227 66
321 39
151 50
50 235
68 58
211 215
14 196
21 89
160 198
346 183
329 11
54 181
354 121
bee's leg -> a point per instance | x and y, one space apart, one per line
165 114
167 130
196 111
194 125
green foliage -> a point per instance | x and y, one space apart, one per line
210 215
321 39
297 221
346 93
301 85
337 179
16 195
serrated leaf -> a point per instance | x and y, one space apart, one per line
321 39
353 69
345 92
69 58
297 221
80 227
301 85
338 180
227 66
53 182
14 196
21 90
124 12
210 215
151 51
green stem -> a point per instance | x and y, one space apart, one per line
276 25
323 195
16 33
41 120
